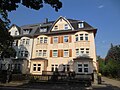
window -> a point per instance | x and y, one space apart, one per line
23 53
87 51
55 53
37 53
80 25
16 32
66 38
37 40
40 52
55 39
15 43
17 66
45 39
26 53
23 41
34 67
27 41
77 52
81 51
44 53
79 67
56 67
81 36
39 67
56 28
52 68
43 29
66 26
41 39
26 31
85 67
76 37
86 37
66 53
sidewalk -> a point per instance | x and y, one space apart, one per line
111 81
14 83
109 84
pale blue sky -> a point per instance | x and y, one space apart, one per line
101 14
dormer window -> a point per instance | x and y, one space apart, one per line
81 25
56 28
26 31
43 29
66 26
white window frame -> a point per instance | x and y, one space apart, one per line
56 27
66 26
38 67
81 37
45 39
37 54
80 66
66 53
86 37
55 39
76 38
44 53
16 32
87 51
43 29
81 25
40 53
77 52
27 41
66 39
86 67
55 53
41 39
82 51
34 67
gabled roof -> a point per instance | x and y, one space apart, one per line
49 25
58 20
19 29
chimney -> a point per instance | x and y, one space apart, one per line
46 20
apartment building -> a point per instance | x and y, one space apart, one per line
62 45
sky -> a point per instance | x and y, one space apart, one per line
101 14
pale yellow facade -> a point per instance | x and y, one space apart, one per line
61 47
72 45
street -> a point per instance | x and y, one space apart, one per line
107 83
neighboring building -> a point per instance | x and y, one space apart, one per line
63 45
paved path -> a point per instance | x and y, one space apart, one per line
109 84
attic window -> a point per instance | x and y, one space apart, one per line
26 31
81 25
56 27
15 32
43 29
66 26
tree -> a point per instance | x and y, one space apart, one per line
10 5
113 61
6 40
101 64
113 53
6 6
